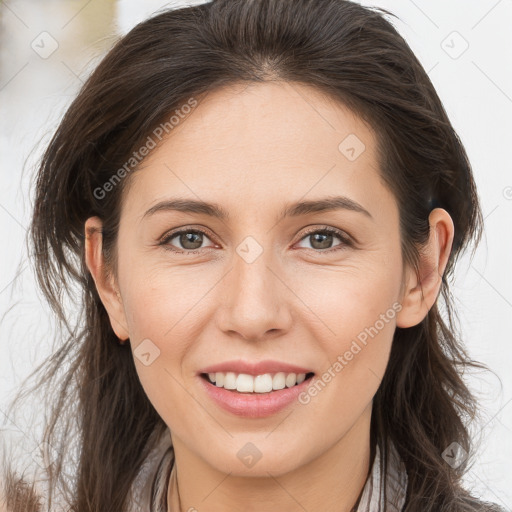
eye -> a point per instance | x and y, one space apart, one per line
321 239
189 240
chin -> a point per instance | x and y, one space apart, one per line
248 460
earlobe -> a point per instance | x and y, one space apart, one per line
105 284
421 291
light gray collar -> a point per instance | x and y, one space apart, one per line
374 499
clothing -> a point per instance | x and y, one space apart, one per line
149 492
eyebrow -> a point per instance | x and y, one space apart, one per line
291 210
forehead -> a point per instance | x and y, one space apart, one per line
266 119
263 142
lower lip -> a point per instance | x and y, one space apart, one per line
254 405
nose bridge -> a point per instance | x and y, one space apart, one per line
251 268
252 296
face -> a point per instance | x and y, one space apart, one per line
271 280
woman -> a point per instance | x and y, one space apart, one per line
261 203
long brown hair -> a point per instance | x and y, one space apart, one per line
355 55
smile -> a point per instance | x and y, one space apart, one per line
265 383
255 404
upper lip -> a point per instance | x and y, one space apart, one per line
257 368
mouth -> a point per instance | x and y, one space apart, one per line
254 397
253 385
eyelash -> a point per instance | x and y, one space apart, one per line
345 240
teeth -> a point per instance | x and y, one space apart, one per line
265 383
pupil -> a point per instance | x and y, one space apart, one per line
325 244
189 238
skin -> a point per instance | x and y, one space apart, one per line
253 149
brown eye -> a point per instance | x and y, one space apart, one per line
187 240
322 239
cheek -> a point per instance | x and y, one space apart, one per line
352 297
160 316
361 320
163 301
165 313
357 307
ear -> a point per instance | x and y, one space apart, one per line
421 293
105 282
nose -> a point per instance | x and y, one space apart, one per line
255 299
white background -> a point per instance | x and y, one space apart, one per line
475 86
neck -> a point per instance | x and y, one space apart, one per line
331 481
